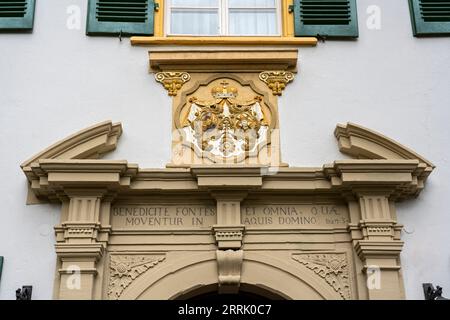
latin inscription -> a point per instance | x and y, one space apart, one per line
285 216
166 217
163 217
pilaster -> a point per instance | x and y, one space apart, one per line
78 245
379 246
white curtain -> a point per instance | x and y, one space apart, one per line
252 17
252 3
252 22
195 17
202 17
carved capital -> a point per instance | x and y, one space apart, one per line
373 249
229 266
276 80
77 251
124 269
172 81
332 267
80 231
229 237
381 230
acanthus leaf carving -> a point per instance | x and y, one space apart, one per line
126 268
172 81
332 267
276 80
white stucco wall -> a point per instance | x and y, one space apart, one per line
57 81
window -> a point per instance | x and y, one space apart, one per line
16 15
115 17
329 18
430 17
224 17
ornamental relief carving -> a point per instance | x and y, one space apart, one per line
172 81
225 120
332 267
124 269
276 80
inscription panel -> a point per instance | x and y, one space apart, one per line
162 217
294 215
276 216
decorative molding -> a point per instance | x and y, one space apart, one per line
61 175
363 143
276 80
229 237
79 250
124 269
224 60
80 230
367 249
332 267
397 179
172 81
202 41
229 266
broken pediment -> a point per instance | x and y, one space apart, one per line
363 143
89 143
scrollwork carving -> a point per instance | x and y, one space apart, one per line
230 267
332 267
172 81
276 80
124 269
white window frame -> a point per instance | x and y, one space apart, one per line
223 22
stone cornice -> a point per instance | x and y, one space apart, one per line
50 179
224 60
397 178
231 176
371 249
53 178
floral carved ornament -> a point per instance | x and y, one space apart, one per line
124 269
332 267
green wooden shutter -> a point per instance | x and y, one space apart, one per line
1 267
330 18
16 15
430 17
113 17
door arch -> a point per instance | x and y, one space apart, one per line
197 274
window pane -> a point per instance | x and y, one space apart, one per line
194 22
195 3
253 22
251 3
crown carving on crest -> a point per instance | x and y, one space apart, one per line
224 91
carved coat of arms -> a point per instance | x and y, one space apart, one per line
225 126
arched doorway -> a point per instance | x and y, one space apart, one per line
196 276
247 293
